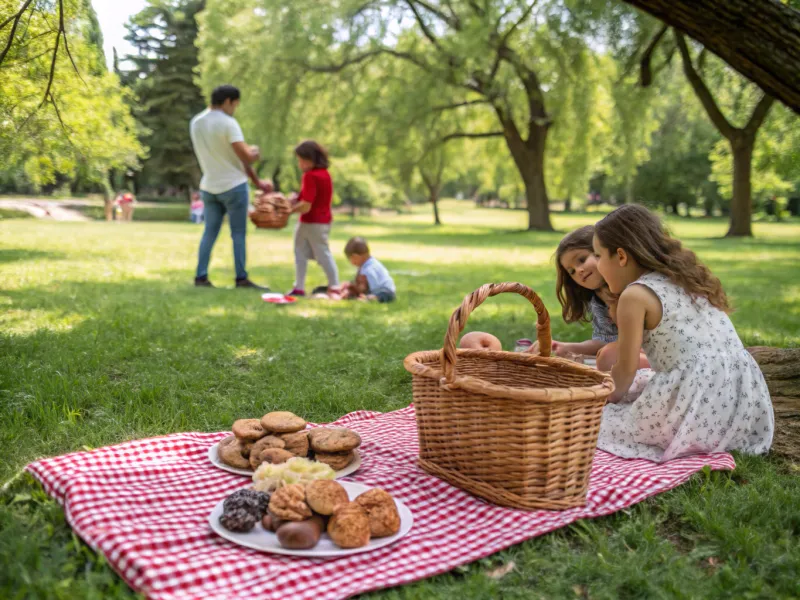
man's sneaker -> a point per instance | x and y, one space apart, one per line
297 293
246 283
202 282
320 289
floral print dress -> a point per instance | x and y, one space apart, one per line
704 393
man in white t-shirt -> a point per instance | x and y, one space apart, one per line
225 161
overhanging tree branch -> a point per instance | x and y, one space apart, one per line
702 91
759 114
466 134
646 73
14 20
452 21
425 30
758 38
524 17
444 107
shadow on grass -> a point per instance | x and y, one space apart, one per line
9 255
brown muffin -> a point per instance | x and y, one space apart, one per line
230 452
336 460
248 430
282 422
384 520
296 443
289 503
333 439
274 456
349 526
324 496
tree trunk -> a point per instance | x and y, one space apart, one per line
741 204
529 159
276 179
108 197
758 38
629 199
435 202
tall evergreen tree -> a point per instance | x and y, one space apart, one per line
162 78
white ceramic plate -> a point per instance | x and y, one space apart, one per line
260 539
213 456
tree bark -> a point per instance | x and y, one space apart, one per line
529 159
741 203
629 199
758 38
435 202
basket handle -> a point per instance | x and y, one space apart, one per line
458 321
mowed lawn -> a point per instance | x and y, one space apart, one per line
103 339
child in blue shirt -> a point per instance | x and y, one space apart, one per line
372 278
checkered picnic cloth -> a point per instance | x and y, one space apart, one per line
145 504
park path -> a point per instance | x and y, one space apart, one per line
48 209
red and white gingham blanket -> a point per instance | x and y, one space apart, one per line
144 504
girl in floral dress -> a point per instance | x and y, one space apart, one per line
705 392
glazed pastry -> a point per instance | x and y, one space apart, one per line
230 452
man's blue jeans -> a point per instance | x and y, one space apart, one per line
235 202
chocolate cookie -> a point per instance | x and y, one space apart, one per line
384 520
349 526
273 456
282 422
324 496
230 452
327 439
289 503
296 443
335 460
248 430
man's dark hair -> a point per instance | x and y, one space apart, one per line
224 92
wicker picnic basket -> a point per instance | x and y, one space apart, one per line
516 429
272 211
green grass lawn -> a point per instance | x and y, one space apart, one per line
104 339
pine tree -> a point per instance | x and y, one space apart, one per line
163 80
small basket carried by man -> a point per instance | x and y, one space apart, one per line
272 210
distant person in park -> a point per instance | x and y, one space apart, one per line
196 208
314 205
125 201
705 392
372 278
226 162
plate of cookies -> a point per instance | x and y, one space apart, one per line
280 436
320 519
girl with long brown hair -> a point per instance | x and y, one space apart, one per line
705 393
583 293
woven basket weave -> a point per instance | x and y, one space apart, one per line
270 220
516 429
272 211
